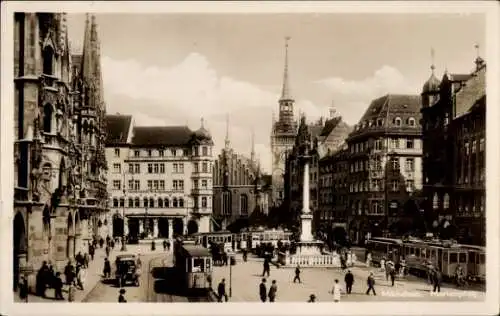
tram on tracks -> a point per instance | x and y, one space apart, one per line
194 265
272 236
420 255
226 238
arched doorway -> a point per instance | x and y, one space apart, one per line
19 249
118 225
192 227
70 245
163 227
178 227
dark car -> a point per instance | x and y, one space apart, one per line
127 270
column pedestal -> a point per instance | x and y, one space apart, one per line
170 229
125 226
71 247
141 226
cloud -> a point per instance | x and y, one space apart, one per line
353 97
192 89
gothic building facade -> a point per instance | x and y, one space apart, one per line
454 129
60 169
239 189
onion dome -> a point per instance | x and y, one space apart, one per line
202 133
431 85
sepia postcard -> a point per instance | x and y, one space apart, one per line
328 155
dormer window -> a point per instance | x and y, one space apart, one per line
380 122
411 121
397 121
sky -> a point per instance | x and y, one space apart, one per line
174 69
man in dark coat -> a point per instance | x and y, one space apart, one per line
121 297
69 273
58 285
263 291
371 284
437 278
107 268
273 291
91 252
267 268
392 273
41 279
349 280
221 291
297 274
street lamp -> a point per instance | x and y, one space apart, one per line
124 247
230 278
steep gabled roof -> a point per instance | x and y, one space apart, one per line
161 136
471 92
117 128
394 103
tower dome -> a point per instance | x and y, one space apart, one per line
202 133
431 85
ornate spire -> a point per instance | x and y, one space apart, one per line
226 142
432 59
252 153
202 123
479 61
285 92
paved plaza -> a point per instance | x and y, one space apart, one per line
246 277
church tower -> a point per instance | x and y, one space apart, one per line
282 134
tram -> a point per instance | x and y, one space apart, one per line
476 266
194 265
388 248
225 238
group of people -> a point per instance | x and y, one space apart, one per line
271 294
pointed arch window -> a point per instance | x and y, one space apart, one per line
145 202
174 202
115 202
181 202
130 202
48 60
160 202
446 201
243 204
435 202
151 202
204 202
137 202
47 118
166 202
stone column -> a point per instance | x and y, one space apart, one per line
71 247
170 228
306 217
184 225
155 228
78 243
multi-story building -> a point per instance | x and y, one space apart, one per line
453 111
59 171
238 189
160 179
282 137
385 161
333 194
323 136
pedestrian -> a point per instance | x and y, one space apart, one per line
267 268
371 284
58 285
382 264
153 245
107 268
312 298
349 280
245 254
50 274
91 252
41 279
437 279
297 274
139 262
164 245
71 293
392 273
23 288
101 242
80 277
79 259
221 291
107 251
121 297
336 291
168 245
272 291
263 291
69 273
86 260
112 242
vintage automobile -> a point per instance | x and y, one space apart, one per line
127 270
